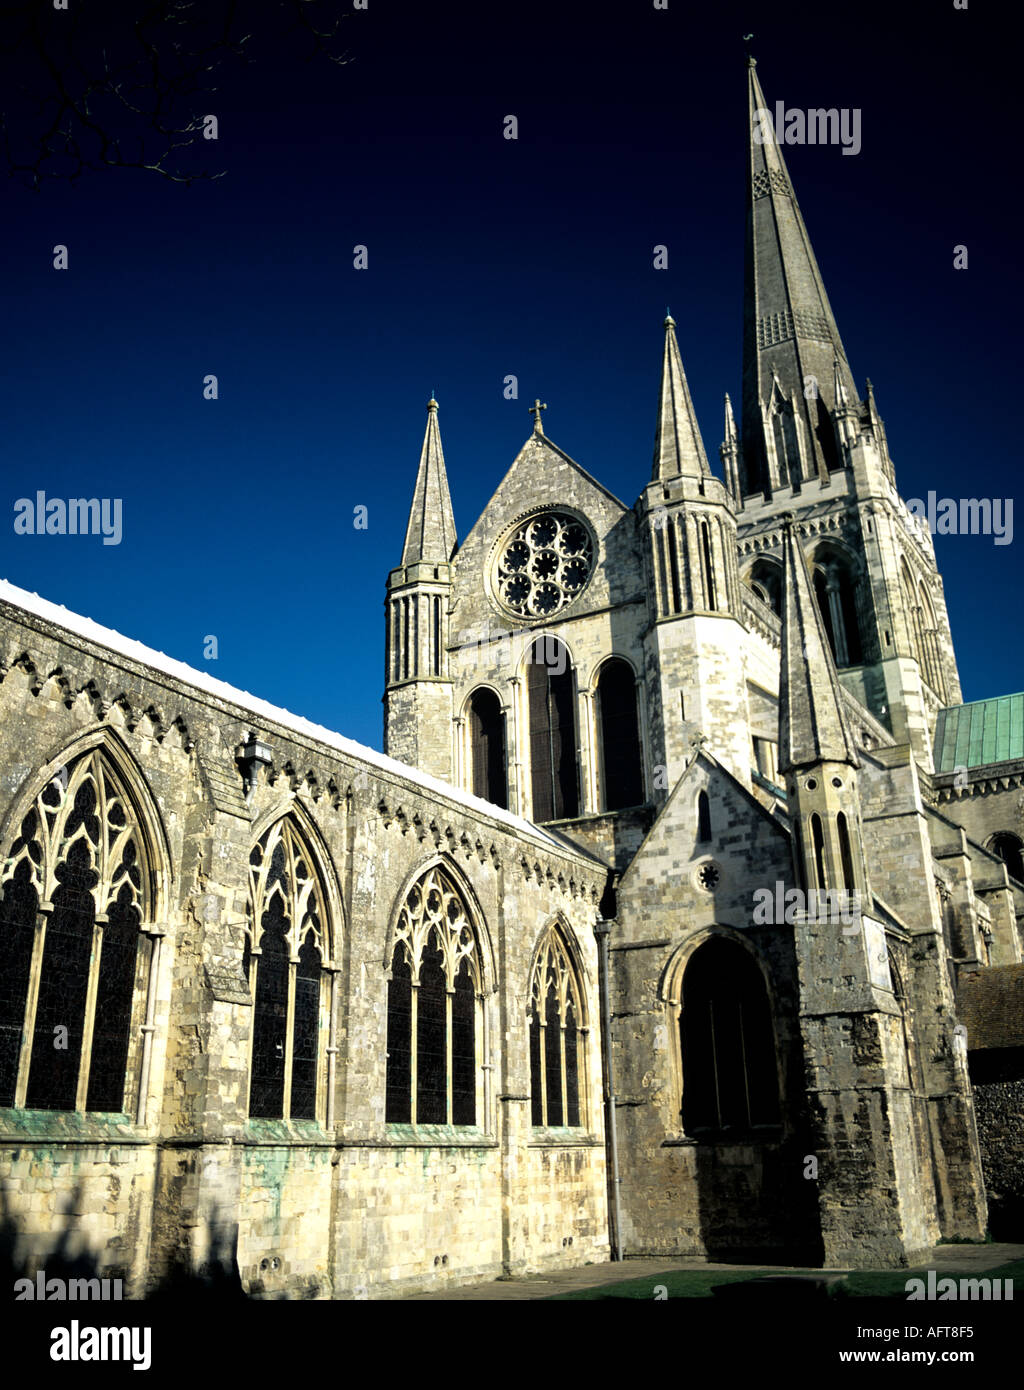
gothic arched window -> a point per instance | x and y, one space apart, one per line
622 774
730 1080
703 818
835 591
707 566
556 1037
1008 847
284 960
487 748
433 1001
73 962
932 669
551 696
845 853
765 579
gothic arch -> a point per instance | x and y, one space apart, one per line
488 969
838 582
1010 849
85 887
618 727
552 724
140 798
929 640
728 1072
912 612
764 577
336 926
670 992
485 752
436 1010
557 1025
290 935
559 923
670 981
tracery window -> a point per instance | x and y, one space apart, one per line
77 888
285 950
556 1036
544 564
433 1002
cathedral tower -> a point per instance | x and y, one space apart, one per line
694 656
418 691
876 1188
812 446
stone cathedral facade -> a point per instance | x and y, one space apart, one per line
681 914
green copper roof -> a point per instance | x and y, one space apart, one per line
987 731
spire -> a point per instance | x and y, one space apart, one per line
788 326
430 535
812 720
678 448
729 452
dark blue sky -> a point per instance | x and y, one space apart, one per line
489 257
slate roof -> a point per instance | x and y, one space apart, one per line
990 1005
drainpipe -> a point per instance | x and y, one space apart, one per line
602 930
148 1028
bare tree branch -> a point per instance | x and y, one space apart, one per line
118 87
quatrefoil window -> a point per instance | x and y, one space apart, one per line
544 564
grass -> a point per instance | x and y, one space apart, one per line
698 1283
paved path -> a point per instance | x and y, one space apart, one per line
953 1259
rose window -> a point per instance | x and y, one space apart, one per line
544 565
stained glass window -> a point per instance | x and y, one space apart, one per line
284 960
555 1025
76 891
433 999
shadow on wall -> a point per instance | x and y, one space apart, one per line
218 1279
755 1208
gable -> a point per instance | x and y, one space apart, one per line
543 477
749 849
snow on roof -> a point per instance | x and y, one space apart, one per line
136 651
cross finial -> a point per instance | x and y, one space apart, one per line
535 411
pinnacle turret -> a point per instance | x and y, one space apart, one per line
678 448
812 721
430 535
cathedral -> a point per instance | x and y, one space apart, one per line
680 915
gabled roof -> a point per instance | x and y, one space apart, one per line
531 456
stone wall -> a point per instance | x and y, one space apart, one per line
345 1203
